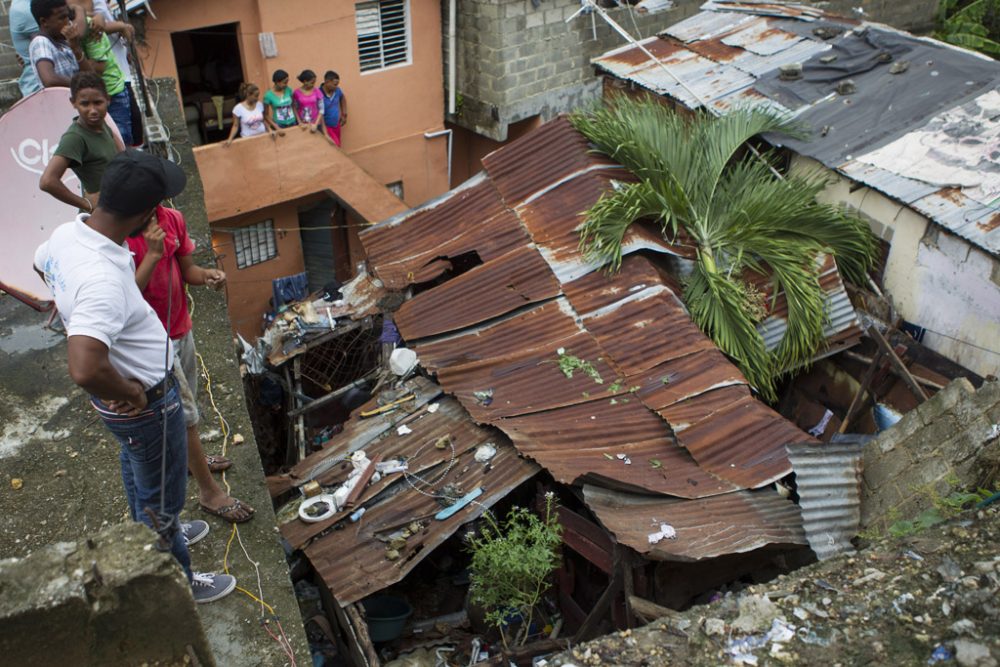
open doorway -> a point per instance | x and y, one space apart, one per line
209 72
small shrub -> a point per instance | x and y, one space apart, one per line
511 564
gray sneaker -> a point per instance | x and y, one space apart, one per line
194 531
209 587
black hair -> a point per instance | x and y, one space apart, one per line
330 74
279 75
83 80
306 75
246 88
42 9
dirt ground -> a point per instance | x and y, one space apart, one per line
930 598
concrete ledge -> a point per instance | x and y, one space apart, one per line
107 600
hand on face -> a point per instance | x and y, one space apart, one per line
154 236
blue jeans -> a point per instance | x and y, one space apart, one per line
120 109
141 440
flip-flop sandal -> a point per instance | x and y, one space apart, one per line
218 463
231 512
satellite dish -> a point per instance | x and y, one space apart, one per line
29 134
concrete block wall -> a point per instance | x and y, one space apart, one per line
110 599
948 442
516 60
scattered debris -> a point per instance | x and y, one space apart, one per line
16 483
790 72
238 439
484 397
404 430
899 67
485 452
666 532
402 361
846 87
569 364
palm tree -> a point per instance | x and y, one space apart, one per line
696 181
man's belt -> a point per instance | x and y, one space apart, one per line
160 389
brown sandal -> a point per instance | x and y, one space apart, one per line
231 512
218 463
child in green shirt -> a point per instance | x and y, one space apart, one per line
97 48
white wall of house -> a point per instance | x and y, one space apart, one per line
936 279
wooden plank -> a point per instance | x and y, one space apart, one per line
366 476
866 382
359 658
897 363
361 631
600 608
930 384
587 539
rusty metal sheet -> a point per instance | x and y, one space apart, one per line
353 564
705 528
684 377
358 433
584 441
706 25
787 10
539 159
744 443
471 218
761 37
624 59
362 294
646 328
704 79
517 279
531 381
417 448
600 289
684 413
550 323
828 481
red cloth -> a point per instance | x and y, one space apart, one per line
176 244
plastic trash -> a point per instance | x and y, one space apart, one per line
402 361
666 532
940 654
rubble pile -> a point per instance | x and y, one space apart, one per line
927 598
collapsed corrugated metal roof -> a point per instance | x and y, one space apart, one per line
353 564
705 528
922 125
604 380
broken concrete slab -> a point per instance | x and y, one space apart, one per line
88 603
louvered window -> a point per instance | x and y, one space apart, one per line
383 34
255 244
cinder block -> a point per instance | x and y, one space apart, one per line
553 15
883 468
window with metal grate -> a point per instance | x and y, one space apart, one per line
255 244
383 33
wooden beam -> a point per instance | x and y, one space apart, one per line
897 363
650 611
360 626
587 539
930 384
866 382
366 476
603 603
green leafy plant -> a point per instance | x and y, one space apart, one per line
569 364
739 218
511 565
973 25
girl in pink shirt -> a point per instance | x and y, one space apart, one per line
308 101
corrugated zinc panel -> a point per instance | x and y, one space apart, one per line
705 528
828 481
517 279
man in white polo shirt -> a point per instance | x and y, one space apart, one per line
120 353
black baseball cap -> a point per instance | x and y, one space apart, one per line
136 181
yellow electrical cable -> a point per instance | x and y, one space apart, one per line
224 425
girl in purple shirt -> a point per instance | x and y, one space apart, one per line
308 101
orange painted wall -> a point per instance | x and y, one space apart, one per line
384 106
247 290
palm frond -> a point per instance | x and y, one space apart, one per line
608 220
719 307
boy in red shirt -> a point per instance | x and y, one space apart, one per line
168 240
